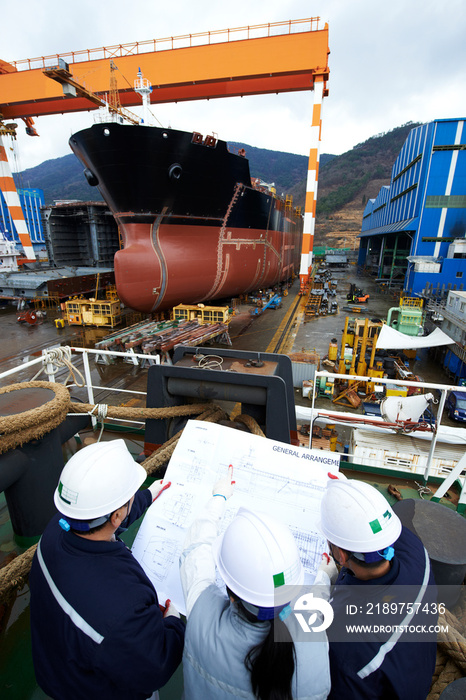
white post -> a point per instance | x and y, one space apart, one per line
435 435
14 206
311 186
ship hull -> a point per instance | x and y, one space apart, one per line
193 227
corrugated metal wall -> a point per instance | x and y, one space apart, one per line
426 198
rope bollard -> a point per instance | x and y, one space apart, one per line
19 428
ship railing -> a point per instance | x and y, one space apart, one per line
256 31
442 389
51 367
87 389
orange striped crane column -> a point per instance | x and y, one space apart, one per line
311 187
8 188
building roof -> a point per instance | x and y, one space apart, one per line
405 225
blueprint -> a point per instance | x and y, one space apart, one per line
283 480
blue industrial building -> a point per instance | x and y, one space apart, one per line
31 201
413 233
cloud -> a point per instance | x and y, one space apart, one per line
390 63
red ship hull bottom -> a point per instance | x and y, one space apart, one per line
160 267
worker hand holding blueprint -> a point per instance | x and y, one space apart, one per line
283 480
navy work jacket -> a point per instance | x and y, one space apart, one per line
96 627
377 669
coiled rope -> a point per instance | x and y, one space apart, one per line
55 359
451 650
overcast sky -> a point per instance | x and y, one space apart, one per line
390 63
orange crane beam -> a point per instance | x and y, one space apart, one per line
277 62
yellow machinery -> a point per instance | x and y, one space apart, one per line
358 337
93 312
111 293
206 315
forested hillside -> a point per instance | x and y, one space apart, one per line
349 180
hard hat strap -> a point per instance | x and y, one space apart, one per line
87 525
84 525
386 554
263 613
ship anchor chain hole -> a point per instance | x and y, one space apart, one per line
174 171
92 179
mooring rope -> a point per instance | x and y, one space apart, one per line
451 651
250 423
446 671
140 414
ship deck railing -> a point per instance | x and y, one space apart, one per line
50 367
87 388
438 390
256 31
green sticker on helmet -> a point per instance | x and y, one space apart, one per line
279 580
375 526
67 495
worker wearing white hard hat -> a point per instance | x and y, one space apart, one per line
380 561
238 641
97 628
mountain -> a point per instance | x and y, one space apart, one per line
349 180
346 182
285 170
60 178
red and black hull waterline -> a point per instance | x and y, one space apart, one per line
193 226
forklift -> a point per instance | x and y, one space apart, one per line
356 295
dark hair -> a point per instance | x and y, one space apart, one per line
272 662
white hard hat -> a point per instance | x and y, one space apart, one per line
258 559
356 517
98 480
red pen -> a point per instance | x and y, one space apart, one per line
230 473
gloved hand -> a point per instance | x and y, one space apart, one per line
170 609
157 487
329 567
224 486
